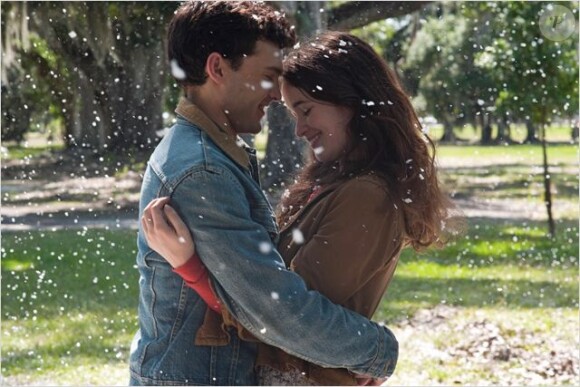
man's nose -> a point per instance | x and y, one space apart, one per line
275 93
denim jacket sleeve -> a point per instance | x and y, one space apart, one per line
268 300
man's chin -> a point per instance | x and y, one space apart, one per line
252 130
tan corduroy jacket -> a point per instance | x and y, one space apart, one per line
352 237
352 241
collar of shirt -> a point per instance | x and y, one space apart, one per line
233 145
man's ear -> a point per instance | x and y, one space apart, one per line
216 67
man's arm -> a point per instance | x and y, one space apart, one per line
268 300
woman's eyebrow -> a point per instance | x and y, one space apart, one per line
298 103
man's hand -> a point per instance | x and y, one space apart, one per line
166 233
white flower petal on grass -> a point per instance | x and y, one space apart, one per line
297 236
177 71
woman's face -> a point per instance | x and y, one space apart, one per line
322 124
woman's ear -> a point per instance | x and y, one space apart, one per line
214 67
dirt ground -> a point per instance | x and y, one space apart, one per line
54 192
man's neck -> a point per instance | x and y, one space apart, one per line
213 110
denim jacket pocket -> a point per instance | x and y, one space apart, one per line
212 331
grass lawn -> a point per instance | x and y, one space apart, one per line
515 154
68 306
554 133
69 298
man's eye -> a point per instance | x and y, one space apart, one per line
306 112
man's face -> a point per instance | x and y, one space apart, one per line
252 87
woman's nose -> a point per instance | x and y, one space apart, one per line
300 127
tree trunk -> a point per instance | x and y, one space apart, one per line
503 131
575 132
355 14
131 100
486 129
531 136
448 133
15 113
547 183
283 150
122 59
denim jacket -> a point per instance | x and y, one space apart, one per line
211 177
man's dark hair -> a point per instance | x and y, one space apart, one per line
230 28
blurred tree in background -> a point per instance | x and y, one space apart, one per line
97 70
103 64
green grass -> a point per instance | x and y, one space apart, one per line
69 298
524 154
554 133
495 264
20 152
68 302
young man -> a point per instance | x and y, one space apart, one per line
227 56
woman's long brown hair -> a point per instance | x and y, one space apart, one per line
385 136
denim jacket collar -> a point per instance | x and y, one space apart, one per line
233 145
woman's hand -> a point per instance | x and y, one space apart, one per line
368 381
166 233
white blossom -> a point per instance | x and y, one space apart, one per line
177 71
297 236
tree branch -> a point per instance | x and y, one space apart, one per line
356 14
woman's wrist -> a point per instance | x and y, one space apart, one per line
177 262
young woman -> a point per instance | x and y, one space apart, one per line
369 190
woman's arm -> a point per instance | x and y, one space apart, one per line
169 236
196 276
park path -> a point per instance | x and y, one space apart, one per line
37 197
108 202
45 205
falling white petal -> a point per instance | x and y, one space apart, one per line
266 85
297 236
177 71
265 247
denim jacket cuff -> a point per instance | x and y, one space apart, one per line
385 361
